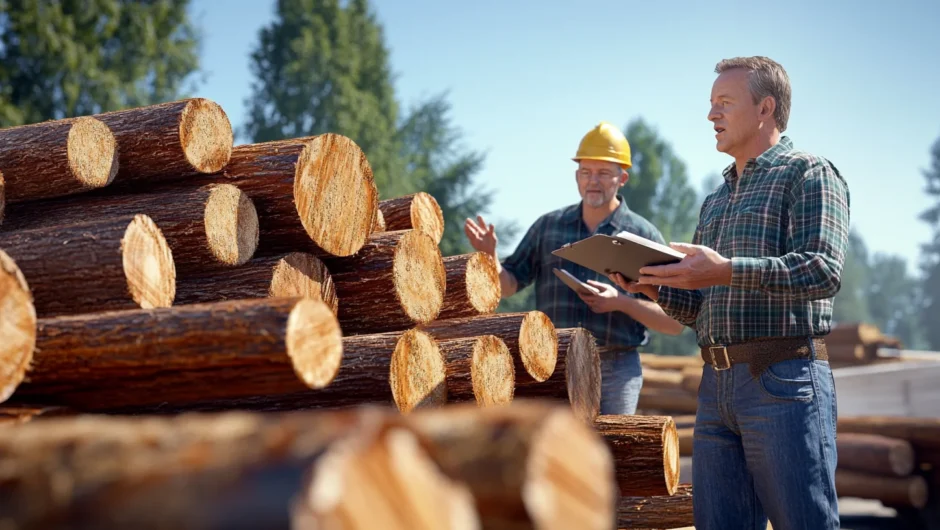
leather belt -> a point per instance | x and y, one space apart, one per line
761 353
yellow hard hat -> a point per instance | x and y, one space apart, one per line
605 142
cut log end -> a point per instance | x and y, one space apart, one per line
17 326
314 343
92 152
206 135
583 375
303 275
538 345
379 224
336 196
417 374
231 224
483 286
148 264
419 277
426 216
384 481
492 372
553 501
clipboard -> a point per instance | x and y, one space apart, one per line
575 284
625 253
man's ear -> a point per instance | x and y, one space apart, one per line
767 107
624 177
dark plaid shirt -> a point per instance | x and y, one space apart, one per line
533 261
785 225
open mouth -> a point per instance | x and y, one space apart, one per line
719 130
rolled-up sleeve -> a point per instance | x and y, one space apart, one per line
523 263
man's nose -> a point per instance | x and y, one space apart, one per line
713 114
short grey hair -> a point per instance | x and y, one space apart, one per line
766 78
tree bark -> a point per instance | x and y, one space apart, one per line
294 275
472 286
313 194
17 326
530 336
577 376
209 227
57 158
479 370
228 471
382 479
528 465
879 455
660 511
645 450
417 211
170 141
908 491
3 199
394 282
116 263
119 360
920 432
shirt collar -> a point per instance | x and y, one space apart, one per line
766 159
619 218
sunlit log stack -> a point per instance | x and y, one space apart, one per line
150 266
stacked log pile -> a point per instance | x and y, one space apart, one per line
149 267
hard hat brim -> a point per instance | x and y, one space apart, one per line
617 161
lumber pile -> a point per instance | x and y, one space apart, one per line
894 460
858 344
200 334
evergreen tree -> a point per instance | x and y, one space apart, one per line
930 315
65 58
323 67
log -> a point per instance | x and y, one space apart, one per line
379 224
294 275
852 334
17 326
922 433
691 380
382 480
417 211
170 141
645 450
908 491
479 369
676 401
232 470
118 360
472 286
530 336
577 376
686 440
670 362
405 370
659 511
116 263
875 454
313 194
57 158
656 378
394 282
528 465
209 227
3 198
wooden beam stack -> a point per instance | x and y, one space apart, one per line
149 267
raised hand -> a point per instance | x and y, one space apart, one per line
482 237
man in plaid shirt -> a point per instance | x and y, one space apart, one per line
757 286
617 319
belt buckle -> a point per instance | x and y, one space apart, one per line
714 363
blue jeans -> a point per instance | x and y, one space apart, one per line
621 380
766 448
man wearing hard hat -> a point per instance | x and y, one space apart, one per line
618 320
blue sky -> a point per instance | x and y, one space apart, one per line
526 79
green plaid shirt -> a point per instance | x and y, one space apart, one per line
533 261
785 225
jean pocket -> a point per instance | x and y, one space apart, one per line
789 380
